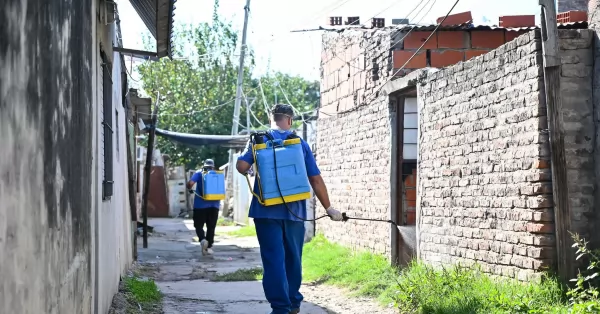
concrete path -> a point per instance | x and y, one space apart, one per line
183 275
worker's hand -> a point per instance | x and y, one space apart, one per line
334 214
191 191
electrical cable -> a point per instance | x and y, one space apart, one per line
376 91
269 136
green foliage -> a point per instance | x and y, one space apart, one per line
584 296
423 289
246 274
365 274
245 231
198 92
143 291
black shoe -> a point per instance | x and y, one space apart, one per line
295 311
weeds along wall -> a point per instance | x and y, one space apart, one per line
485 183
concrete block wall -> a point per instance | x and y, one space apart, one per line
353 139
579 125
484 171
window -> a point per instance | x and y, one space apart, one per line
107 127
411 124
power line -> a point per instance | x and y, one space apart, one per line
399 40
375 93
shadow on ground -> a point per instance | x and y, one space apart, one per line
183 274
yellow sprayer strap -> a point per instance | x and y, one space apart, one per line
252 191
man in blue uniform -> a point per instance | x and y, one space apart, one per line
281 234
205 212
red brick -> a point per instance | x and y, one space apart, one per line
456 19
469 54
571 16
440 59
414 40
487 39
401 56
511 35
452 39
541 164
540 228
517 21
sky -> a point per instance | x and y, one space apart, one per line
270 23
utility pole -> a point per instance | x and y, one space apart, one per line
248 108
560 189
147 168
236 110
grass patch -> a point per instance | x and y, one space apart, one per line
423 289
143 291
225 222
246 274
363 273
136 295
245 231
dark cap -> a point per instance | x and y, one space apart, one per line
209 163
283 109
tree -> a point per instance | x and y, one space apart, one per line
198 88
302 94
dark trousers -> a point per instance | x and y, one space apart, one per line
208 216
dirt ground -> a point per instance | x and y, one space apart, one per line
184 277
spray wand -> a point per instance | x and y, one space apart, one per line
257 138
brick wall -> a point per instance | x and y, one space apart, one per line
484 172
594 25
353 148
446 47
572 5
578 117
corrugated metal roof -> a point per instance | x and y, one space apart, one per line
158 15
468 26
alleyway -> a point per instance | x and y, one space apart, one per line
184 275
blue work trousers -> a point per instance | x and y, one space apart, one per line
281 244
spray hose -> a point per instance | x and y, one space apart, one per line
344 216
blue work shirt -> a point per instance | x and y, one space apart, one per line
199 203
280 211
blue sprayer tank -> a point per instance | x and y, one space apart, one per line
291 171
213 185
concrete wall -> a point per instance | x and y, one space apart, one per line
353 140
46 202
113 219
578 116
63 247
594 25
571 5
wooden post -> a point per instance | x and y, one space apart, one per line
132 188
147 168
560 191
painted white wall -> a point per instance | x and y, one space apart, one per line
112 226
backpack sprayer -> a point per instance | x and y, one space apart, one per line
213 185
295 185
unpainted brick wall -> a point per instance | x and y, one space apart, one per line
484 177
578 117
484 172
353 148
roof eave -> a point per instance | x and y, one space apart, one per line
164 27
